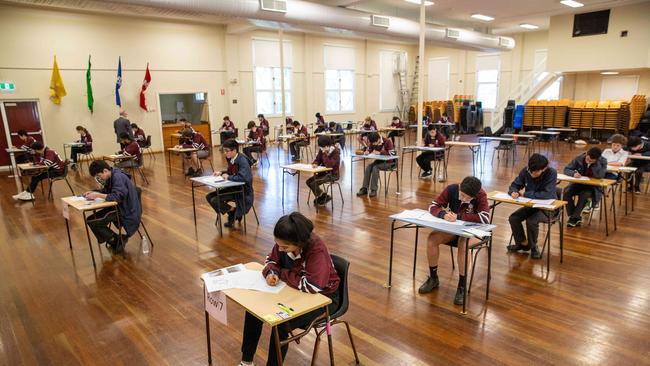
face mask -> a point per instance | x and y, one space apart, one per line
100 181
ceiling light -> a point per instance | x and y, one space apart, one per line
572 3
426 2
528 26
482 17
609 73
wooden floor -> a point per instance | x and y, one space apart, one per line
147 309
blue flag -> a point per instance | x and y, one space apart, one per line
118 82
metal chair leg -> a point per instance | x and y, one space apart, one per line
453 265
146 232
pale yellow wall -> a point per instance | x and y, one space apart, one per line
182 57
587 86
606 51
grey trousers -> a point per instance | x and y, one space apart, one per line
371 174
533 217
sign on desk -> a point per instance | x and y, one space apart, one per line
215 305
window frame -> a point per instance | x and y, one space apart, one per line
339 91
287 89
495 83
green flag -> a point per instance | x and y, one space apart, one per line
89 88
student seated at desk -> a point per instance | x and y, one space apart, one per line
539 181
636 146
321 126
42 156
433 138
466 201
328 156
139 135
227 130
446 130
87 146
590 164
302 139
337 128
264 124
288 125
395 123
185 125
194 140
301 259
254 134
116 187
615 156
26 144
131 148
238 170
368 126
378 145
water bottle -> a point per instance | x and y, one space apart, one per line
145 244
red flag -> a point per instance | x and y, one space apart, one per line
145 84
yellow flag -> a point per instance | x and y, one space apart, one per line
56 84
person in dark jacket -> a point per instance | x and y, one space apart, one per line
466 201
87 146
328 156
26 145
257 135
432 139
590 164
374 143
337 128
539 181
321 126
122 125
42 156
238 170
300 259
636 146
227 130
116 187
301 139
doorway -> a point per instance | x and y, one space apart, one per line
177 108
15 116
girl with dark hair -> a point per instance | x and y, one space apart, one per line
301 259
87 146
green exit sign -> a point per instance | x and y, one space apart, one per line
7 86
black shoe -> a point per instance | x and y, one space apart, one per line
460 296
190 172
573 222
637 191
362 192
429 285
73 166
231 220
198 173
517 247
117 246
426 175
535 253
327 199
372 194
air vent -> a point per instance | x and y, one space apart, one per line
279 6
380 21
453 33
505 42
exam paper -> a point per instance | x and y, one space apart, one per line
564 176
548 202
505 196
541 205
426 216
238 276
477 232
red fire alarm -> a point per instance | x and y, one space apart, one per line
223 91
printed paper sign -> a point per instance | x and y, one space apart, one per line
215 305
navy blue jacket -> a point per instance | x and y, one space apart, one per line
239 170
543 187
598 169
121 189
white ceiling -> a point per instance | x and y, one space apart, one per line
508 14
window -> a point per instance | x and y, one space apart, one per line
619 87
392 68
339 79
487 80
267 74
438 88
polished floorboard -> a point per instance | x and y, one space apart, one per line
138 309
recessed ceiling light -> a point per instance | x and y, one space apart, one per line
426 2
572 3
609 73
482 17
528 26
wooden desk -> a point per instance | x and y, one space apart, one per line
530 145
474 147
412 149
296 169
28 170
218 185
605 184
171 131
13 151
551 212
70 145
627 174
83 206
363 157
554 135
638 157
264 306
116 158
177 150
486 139
457 230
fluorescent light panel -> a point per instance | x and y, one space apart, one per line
572 3
528 26
609 73
482 17
426 2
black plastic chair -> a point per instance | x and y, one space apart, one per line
64 176
147 146
139 190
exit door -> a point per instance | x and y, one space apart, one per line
15 116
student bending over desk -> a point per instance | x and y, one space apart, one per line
395 123
264 124
27 142
328 156
197 141
42 156
302 139
636 146
118 187
255 134
301 259
590 164
337 128
615 156
238 171
375 144
432 139
138 135
539 181
131 148
466 201
86 139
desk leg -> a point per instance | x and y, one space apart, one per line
613 190
562 236
390 260
548 254
243 205
278 347
219 213
484 153
415 252
351 172
412 157
464 312
489 270
207 336
283 172
328 327
67 229
633 177
605 209
90 246
298 191
397 173
169 161
193 205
